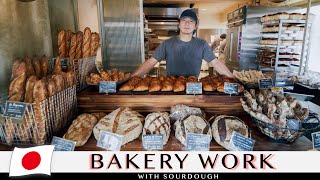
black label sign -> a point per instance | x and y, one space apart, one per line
107 87
152 141
15 110
316 140
230 88
197 142
265 83
194 88
239 142
61 144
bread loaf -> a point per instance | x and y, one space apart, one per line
18 68
31 82
95 42
59 82
86 42
68 41
17 88
51 87
191 124
79 45
29 66
44 66
71 79
158 123
122 121
73 45
62 43
57 66
81 129
223 126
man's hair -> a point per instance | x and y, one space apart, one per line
223 36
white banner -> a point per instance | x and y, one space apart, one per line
178 161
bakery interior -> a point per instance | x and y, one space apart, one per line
67 63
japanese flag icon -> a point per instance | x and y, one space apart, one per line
34 160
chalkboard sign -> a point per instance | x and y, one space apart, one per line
109 141
265 83
15 110
230 88
61 144
107 87
194 88
238 142
64 63
316 140
197 142
152 141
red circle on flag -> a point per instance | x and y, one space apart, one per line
31 160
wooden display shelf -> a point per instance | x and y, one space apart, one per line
90 100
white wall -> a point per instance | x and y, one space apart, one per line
88 17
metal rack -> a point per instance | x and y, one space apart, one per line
287 48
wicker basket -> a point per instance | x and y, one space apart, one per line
287 135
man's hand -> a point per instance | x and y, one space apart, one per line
145 67
221 68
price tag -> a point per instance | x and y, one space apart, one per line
265 83
15 110
152 141
316 140
61 144
109 141
197 142
239 142
230 88
277 90
194 88
107 87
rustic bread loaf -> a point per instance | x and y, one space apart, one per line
81 129
191 124
57 66
18 68
158 123
62 43
29 66
44 66
122 121
224 125
73 45
86 42
68 41
95 43
17 88
31 82
37 66
79 45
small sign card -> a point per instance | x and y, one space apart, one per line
15 110
316 140
238 142
265 83
194 88
197 142
107 87
110 141
230 88
64 63
61 144
152 141
277 90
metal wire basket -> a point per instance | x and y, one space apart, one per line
83 67
289 134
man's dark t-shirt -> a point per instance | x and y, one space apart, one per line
184 58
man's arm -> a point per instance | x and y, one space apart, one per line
145 67
221 68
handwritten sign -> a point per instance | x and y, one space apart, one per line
61 144
15 110
110 141
197 142
152 141
238 142
230 88
265 83
107 87
194 88
316 140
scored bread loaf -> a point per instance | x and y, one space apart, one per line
18 68
62 43
191 124
29 66
31 82
73 45
37 66
69 34
81 129
86 42
57 66
224 125
79 39
17 88
44 66
121 121
95 42
158 123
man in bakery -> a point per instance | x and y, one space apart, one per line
184 53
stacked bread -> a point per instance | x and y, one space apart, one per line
78 45
212 83
81 129
281 16
121 121
251 76
158 123
109 75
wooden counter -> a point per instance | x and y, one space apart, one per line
262 143
90 100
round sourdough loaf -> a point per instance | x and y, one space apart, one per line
223 126
158 123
